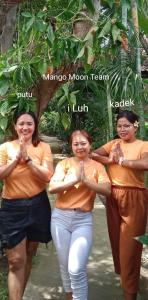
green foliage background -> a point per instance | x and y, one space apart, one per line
44 37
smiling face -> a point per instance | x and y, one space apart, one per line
25 127
126 130
80 146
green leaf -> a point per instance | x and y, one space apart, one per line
115 33
142 239
71 3
143 23
81 53
89 35
27 74
65 119
72 99
50 34
2 136
76 92
30 23
4 86
26 14
62 100
3 123
4 108
65 88
59 93
121 26
22 104
90 6
41 14
110 3
10 69
40 26
106 29
16 77
42 67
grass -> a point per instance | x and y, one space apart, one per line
146 179
3 286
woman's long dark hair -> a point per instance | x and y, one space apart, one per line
35 137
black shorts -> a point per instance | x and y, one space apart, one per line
25 218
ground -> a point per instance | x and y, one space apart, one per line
45 282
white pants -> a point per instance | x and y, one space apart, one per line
72 235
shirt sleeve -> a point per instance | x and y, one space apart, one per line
108 146
59 173
102 175
3 154
144 148
47 155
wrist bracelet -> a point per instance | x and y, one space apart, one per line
121 159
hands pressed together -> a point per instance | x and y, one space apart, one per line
116 154
22 155
81 176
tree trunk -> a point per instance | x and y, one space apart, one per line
109 109
123 52
7 25
138 67
47 88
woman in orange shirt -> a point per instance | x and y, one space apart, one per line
76 182
127 159
25 168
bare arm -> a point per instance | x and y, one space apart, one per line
6 170
101 156
58 187
139 164
100 188
43 172
57 183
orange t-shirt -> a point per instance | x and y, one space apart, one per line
122 175
79 196
21 183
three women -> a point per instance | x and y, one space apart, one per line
26 167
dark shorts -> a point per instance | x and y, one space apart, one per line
25 218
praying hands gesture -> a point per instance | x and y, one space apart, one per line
116 154
100 188
22 154
23 149
115 157
59 185
82 172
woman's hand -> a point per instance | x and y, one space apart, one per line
102 157
82 171
23 149
101 188
116 153
18 156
